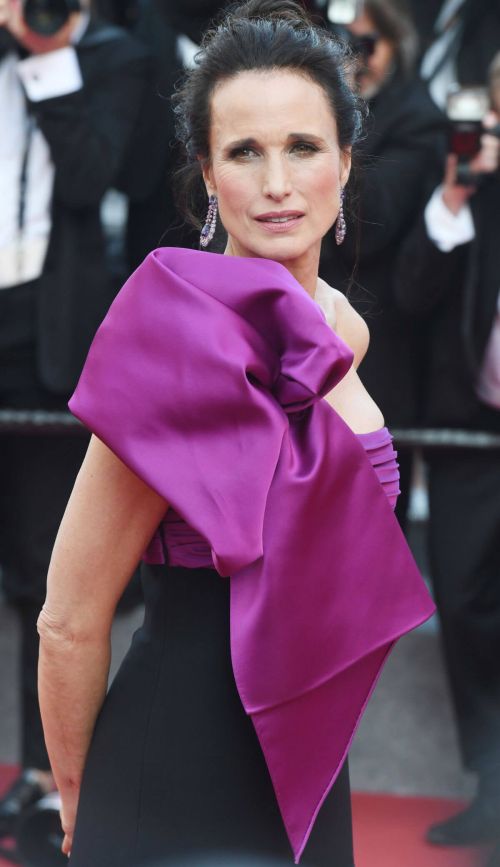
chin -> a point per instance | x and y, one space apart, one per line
281 249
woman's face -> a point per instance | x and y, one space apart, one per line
375 69
275 165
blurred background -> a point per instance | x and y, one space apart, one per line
87 165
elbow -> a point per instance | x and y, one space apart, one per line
52 628
66 632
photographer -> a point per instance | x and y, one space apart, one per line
172 32
70 92
448 276
403 145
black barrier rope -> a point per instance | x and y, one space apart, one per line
445 438
35 421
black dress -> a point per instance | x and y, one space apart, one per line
175 770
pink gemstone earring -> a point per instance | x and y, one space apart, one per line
340 225
208 230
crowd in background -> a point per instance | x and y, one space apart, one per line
421 262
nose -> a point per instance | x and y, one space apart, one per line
276 183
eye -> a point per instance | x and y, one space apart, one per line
304 147
242 153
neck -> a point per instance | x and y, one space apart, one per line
305 273
304 268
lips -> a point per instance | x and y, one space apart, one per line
279 216
280 222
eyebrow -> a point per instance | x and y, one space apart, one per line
293 136
241 143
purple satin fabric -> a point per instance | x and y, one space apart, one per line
185 547
378 446
206 379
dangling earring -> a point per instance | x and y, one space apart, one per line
340 225
208 230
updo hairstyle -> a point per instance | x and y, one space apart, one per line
258 35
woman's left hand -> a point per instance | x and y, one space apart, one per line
68 816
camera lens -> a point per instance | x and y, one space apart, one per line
46 17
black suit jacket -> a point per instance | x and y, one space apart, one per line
424 14
154 219
404 144
88 133
455 294
478 41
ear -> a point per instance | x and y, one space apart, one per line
345 165
208 176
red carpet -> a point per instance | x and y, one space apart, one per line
7 775
388 831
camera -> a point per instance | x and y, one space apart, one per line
466 107
46 17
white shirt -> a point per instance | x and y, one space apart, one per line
447 231
22 253
187 51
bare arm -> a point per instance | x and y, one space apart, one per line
110 518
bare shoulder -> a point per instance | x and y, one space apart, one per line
349 325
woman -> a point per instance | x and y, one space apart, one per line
213 446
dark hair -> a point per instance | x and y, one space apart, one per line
394 21
258 35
